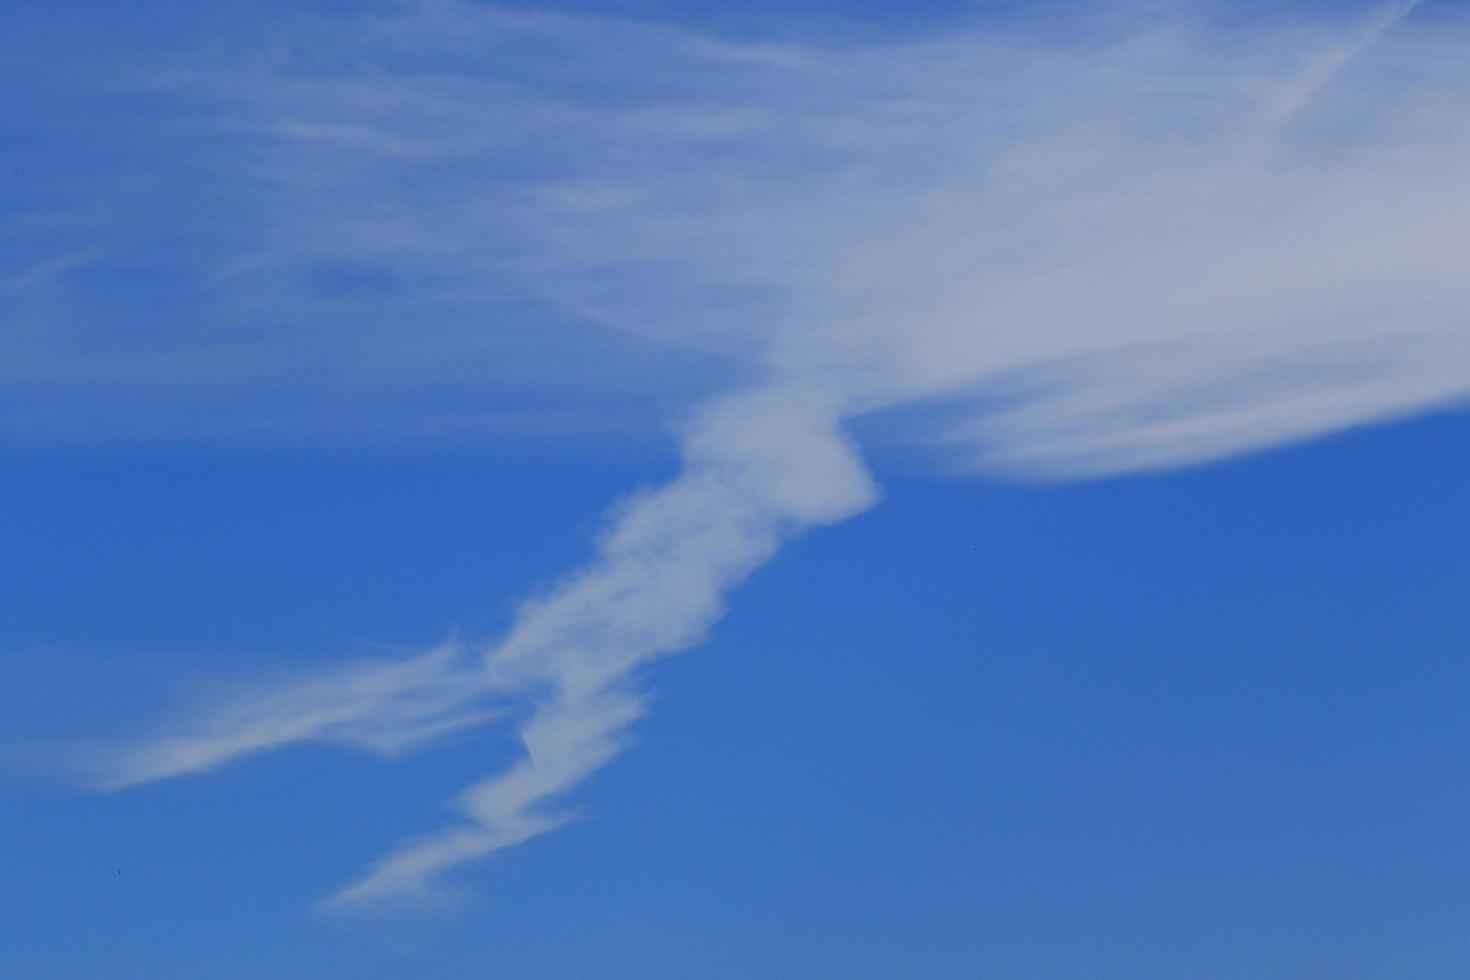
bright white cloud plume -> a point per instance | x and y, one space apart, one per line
1074 244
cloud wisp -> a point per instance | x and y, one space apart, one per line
758 467
1121 244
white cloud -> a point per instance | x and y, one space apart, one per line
1091 247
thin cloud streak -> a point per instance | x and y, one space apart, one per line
1082 256
386 707
1328 65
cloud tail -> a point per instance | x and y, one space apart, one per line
758 468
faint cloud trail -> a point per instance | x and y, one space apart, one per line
1325 67
386 707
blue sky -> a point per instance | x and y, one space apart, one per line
1042 435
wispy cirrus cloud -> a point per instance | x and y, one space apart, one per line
1077 244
